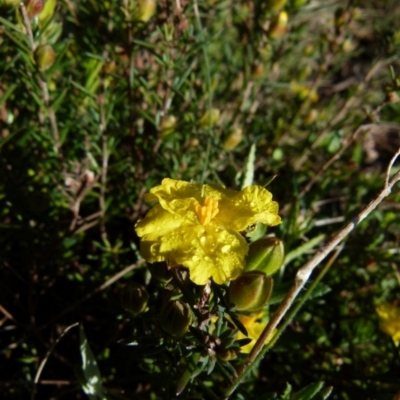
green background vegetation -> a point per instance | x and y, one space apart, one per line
74 169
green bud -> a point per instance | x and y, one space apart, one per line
176 318
234 137
146 9
226 354
134 298
251 291
265 255
44 57
34 7
210 118
168 125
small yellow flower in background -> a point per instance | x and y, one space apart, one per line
198 226
210 118
389 316
254 325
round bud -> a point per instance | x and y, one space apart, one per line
226 354
145 9
134 298
176 318
251 291
168 125
210 118
34 7
44 57
233 138
265 255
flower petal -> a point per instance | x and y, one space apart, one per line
216 254
253 204
181 197
157 225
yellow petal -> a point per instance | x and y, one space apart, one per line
182 197
253 204
157 225
254 325
205 256
216 254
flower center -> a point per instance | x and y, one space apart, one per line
207 211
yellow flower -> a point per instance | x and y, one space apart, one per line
254 325
198 226
390 321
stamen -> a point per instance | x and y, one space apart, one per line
208 211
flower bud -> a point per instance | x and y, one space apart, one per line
265 255
145 9
278 25
311 116
167 125
175 318
34 7
226 354
44 57
134 298
251 291
233 138
210 118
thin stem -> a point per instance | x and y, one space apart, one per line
43 363
304 273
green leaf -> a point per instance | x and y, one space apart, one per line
249 171
281 289
287 392
299 251
7 93
308 392
91 372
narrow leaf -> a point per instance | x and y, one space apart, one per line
303 249
92 385
249 171
308 392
